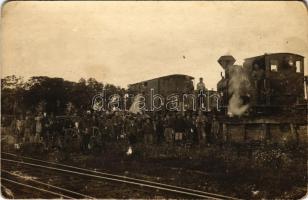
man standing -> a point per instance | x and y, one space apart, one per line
45 131
159 129
148 131
200 124
201 89
179 128
28 129
258 76
201 85
168 132
20 129
189 129
215 129
117 126
131 130
38 128
85 133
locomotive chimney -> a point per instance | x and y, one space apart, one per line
225 62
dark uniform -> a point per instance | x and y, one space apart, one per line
179 128
159 130
132 132
148 132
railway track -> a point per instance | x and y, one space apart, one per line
61 192
37 163
35 188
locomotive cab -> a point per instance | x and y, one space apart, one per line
276 80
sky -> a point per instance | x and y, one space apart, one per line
130 41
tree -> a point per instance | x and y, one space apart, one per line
19 96
12 91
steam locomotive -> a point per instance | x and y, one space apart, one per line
271 83
262 100
265 84
267 94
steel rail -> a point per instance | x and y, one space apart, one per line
36 188
49 185
114 179
125 177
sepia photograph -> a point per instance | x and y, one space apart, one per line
154 99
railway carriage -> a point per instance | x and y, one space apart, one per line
176 84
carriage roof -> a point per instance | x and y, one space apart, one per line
165 77
273 55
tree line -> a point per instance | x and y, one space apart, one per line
51 95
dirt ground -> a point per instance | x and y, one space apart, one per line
263 172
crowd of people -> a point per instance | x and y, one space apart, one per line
92 130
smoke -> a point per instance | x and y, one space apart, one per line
238 83
135 105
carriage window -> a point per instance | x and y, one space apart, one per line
298 66
273 68
274 65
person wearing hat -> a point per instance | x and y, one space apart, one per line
148 131
179 128
201 89
38 127
215 129
159 129
131 130
201 85
200 124
20 128
168 129
29 124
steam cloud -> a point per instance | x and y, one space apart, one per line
238 83
134 107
